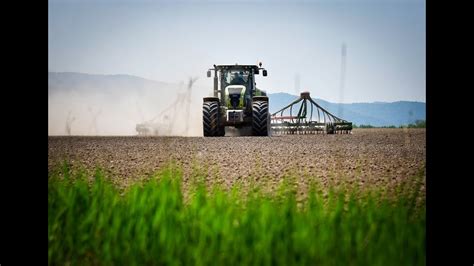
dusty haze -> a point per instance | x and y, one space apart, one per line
83 104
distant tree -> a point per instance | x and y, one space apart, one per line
420 123
371 126
417 124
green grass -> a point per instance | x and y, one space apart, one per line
149 223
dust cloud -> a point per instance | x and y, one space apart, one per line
120 105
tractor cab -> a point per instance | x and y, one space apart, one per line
236 102
236 85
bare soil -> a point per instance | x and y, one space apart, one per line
368 157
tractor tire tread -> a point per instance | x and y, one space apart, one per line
210 119
260 118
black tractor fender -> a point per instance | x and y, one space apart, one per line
260 98
210 99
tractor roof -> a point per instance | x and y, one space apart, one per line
236 66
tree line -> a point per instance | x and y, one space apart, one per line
417 124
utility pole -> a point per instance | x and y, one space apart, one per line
343 79
297 84
187 102
69 121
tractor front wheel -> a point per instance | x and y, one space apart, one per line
260 118
210 119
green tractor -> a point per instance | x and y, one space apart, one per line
236 102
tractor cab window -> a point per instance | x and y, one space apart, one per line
236 77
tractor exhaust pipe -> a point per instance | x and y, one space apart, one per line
215 81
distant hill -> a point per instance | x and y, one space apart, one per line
108 84
376 113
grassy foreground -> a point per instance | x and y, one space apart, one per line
94 223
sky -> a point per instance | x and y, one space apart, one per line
170 41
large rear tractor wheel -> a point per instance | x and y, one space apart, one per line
260 118
210 119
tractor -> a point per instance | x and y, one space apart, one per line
237 102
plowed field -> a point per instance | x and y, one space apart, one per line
368 157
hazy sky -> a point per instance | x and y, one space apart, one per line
171 40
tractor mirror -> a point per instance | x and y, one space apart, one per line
208 73
256 71
264 72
